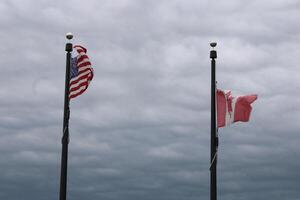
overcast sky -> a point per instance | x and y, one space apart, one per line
142 129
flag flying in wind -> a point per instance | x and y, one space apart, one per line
81 72
232 109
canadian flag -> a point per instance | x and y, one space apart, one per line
232 109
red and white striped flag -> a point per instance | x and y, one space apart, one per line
232 109
81 72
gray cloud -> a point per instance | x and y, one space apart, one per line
141 131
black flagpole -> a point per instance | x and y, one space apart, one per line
213 129
65 138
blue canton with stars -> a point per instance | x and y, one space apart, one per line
74 69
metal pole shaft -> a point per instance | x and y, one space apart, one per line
65 138
213 129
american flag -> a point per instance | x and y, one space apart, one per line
81 72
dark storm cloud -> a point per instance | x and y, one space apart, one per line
141 131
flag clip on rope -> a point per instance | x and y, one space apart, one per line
213 160
65 136
81 72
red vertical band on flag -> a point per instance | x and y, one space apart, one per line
243 108
221 108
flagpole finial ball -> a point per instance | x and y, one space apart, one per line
69 36
213 44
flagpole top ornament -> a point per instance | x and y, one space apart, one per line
213 52
69 46
69 36
213 44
